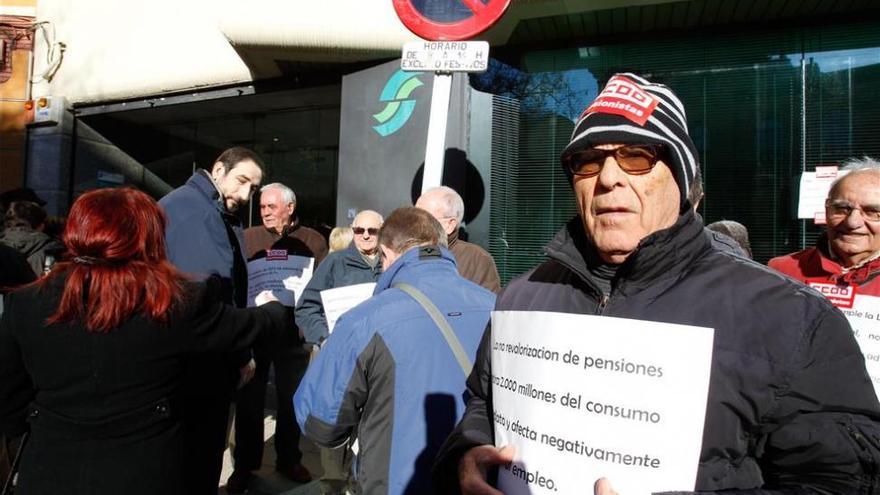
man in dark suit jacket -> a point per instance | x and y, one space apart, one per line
204 238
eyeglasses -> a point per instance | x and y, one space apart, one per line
360 230
843 209
634 159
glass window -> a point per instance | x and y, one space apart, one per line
762 107
296 133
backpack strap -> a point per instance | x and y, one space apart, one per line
443 325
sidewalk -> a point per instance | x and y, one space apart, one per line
267 481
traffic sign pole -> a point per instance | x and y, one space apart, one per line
435 149
442 53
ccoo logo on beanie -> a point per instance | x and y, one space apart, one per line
633 110
622 96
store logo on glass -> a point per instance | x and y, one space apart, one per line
622 96
399 106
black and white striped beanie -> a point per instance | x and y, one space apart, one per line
633 110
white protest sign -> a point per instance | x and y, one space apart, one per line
864 317
283 274
585 397
339 300
814 187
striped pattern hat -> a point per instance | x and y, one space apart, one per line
633 110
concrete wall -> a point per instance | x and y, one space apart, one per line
13 93
122 50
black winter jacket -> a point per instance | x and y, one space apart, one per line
790 406
105 415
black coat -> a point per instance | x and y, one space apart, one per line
103 407
790 404
14 270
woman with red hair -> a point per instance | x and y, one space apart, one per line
91 355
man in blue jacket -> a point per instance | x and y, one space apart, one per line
358 264
203 235
389 370
204 238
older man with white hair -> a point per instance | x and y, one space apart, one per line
474 263
281 230
281 227
848 254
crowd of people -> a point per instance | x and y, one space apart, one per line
124 343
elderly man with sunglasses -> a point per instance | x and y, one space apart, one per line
790 408
356 265
848 254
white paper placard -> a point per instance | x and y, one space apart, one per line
284 275
585 397
864 317
339 300
814 187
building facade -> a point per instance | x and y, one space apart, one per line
17 34
772 89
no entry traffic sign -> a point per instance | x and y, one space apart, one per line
449 20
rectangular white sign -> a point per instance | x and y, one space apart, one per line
339 300
814 188
864 317
445 56
284 275
586 397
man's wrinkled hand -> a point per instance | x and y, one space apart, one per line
246 373
473 465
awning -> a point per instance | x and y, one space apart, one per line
340 31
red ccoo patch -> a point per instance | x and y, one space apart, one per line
842 296
622 96
276 255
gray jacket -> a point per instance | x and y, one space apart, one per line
33 244
339 269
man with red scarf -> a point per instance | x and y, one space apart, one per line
846 259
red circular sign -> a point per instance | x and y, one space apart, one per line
479 16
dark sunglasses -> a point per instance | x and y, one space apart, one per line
360 230
634 159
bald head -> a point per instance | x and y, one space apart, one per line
365 227
444 204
